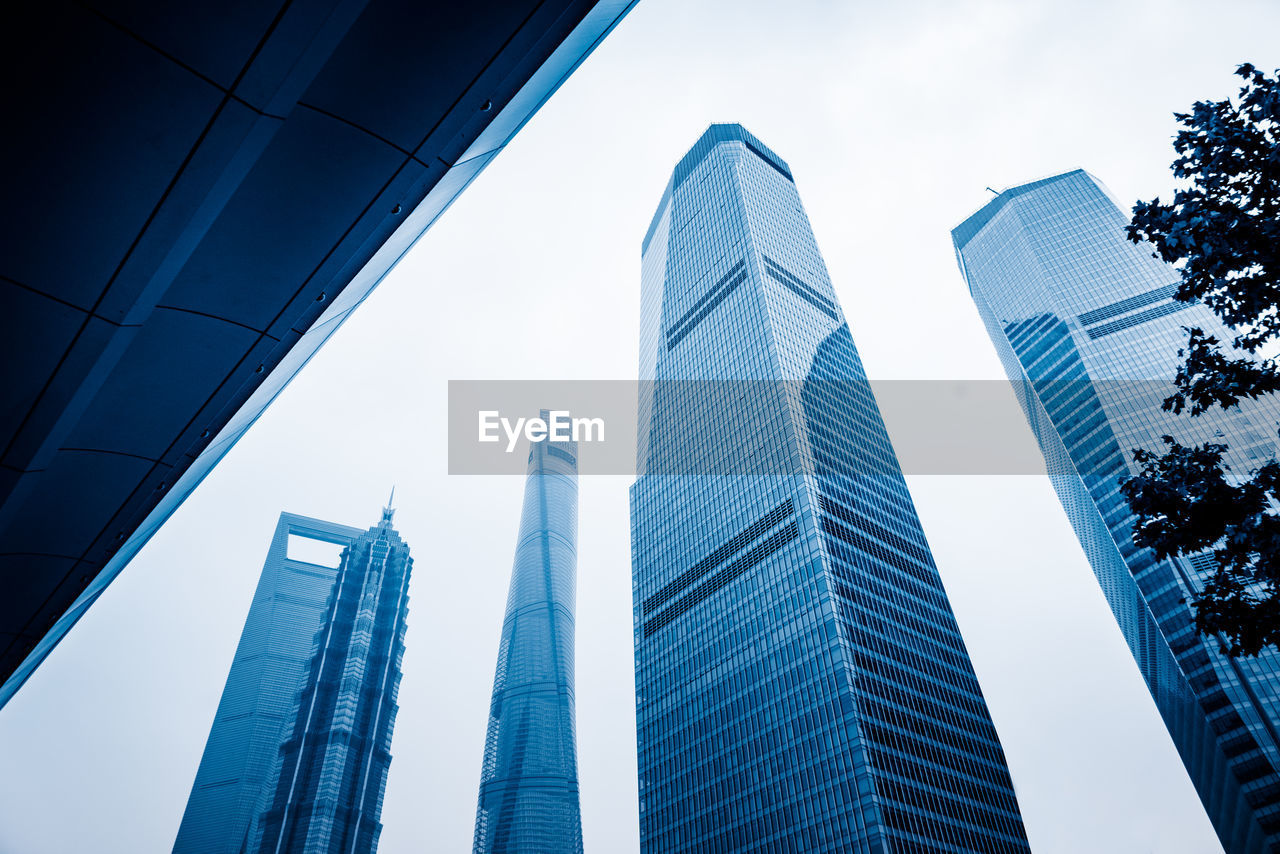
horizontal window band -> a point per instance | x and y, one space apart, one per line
794 284
743 538
829 312
780 272
739 567
986 786
1135 319
916 568
945 834
769 160
714 296
1019 332
787 277
1097 315
854 519
562 454
711 292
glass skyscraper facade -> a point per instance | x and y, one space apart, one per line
332 766
233 781
298 754
1088 331
801 681
529 782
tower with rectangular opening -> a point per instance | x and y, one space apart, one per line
266 674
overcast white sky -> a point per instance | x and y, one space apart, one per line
893 117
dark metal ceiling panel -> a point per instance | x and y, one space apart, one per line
215 40
432 59
78 370
30 578
34 332
201 194
71 501
177 358
232 141
88 154
289 211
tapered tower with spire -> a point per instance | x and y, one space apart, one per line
332 765
529 781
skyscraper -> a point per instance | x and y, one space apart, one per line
333 762
233 781
529 782
1088 331
304 725
801 682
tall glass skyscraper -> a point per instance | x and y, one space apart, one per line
1088 331
333 762
233 783
801 682
529 781
298 754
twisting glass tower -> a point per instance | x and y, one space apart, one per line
529 782
1088 330
801 684
333 762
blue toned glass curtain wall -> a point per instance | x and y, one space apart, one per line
1088 331
298 756
332 767
529 781
233 784
801 681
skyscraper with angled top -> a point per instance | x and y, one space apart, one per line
331 769
801 683
1088 329
529 781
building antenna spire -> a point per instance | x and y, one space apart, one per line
390 510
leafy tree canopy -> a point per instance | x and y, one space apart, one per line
1222 232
